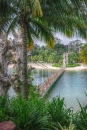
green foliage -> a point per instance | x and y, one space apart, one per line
44 54
32 17
81 121
68 17
27 114
73 57
71 127
3 108
73 65
35 114
83 54
58 112
57 65
60 48
33 91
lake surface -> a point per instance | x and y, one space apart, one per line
72 85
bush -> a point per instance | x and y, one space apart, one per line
29 114
3 108
35 114
73 65
58 112
71 127
81 121
57 65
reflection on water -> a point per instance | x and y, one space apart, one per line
72 86
41 75
38 75
11 91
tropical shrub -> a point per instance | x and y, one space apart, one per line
3 108
81 120
71 127
73 57
73 65
57 65
36 114
29 114
58 112
83 54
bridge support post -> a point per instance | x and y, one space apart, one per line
65 59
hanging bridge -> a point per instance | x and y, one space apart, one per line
46 85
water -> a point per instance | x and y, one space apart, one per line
72 85
41 75
11 91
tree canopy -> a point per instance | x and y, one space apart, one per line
67 16
45 54
84 54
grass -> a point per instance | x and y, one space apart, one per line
57 65
73 65
69 65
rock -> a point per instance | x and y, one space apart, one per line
8 125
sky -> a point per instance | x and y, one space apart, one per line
64 40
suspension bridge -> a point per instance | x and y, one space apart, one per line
46 85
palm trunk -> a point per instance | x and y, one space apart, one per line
24 62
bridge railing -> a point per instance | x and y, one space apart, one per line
43 87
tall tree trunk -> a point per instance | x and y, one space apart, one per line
24 62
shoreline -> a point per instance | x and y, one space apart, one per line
49 66
78 68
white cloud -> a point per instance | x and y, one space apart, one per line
66 40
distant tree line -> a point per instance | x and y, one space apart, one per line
83 54
44 54
75 55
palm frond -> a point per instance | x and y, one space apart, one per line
44 33
30 40
36 8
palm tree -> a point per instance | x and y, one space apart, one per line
24 14
83 54
68 17
34 18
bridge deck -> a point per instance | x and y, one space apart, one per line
45 86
